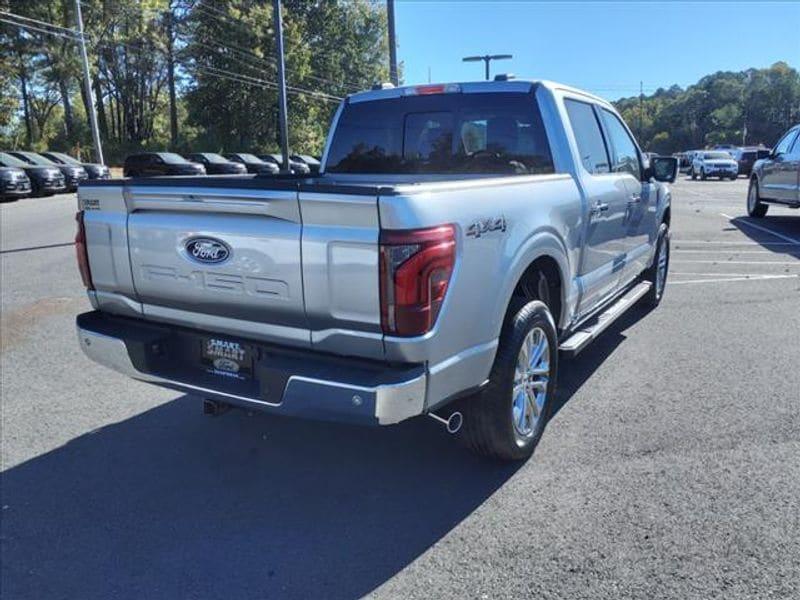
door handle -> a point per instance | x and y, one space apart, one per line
599 207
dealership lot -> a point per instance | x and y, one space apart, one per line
671 470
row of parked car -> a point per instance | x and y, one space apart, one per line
724 161
148 164
44 174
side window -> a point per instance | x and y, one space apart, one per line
588 136
783 146
626 158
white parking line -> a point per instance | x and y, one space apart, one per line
671 273
721 280
748 243
725 251
764 229
739 262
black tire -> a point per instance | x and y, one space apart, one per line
489 427
693 174
656 292
703 175
755 207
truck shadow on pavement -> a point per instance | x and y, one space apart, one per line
784 228
172 504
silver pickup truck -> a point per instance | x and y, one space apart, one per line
458 238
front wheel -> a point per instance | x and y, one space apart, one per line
657 273
703 175
507 418
755 208
693 174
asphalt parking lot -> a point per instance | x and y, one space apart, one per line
671 470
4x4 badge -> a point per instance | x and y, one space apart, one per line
482 226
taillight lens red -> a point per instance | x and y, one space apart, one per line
415 270
81 252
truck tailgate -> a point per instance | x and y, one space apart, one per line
222 259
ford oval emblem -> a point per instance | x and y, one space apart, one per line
207 250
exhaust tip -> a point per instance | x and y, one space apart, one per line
454 422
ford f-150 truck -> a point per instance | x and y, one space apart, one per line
458 238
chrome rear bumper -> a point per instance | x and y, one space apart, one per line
380 397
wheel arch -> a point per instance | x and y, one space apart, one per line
543 253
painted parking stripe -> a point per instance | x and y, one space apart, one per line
726 279
738 262
693 251
740 243
764 229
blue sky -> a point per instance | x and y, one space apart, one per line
604 47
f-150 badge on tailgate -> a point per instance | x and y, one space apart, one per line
207 250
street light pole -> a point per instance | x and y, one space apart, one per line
393 75
98 148
487 58
281 88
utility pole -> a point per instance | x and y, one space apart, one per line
281 88
641 109
393 76
487 58
98 148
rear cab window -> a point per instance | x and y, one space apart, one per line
498 133
588 137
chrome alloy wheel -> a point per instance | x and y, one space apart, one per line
752 199
531 376
663 264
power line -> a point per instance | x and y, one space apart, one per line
40 30
271 84
262 83
38 22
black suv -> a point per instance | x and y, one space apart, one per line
295 166
253 163
93 170
216 164
72 175
45 181
148 164
14 183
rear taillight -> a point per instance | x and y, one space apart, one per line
81 252
415 270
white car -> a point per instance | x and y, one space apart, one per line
714 163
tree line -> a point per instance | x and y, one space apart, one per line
181 74
747 107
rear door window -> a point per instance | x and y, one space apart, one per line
588 136
454 133
626 156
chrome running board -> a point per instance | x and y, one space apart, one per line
587 333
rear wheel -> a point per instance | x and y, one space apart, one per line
755 208
703 175
507 418
693 174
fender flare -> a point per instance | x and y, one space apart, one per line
539 244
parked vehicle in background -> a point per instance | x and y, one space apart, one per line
714 163
45 181
216 164
776 179
93 170
684 164
459 236
150 164
296 166
724 147
312 163
253 163
73 175
746 157
14 183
